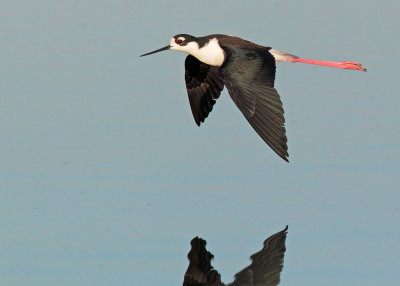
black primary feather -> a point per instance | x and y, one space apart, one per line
249 76
203 85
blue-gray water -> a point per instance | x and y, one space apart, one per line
105 178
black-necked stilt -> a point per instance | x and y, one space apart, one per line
248 72
265 268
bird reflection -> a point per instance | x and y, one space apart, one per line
264 270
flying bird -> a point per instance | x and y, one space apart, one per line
265 269
248 72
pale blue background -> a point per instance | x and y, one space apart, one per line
105 177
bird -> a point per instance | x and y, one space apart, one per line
247 70
265 269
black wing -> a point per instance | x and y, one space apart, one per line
249 76
265 270
200 270
203 85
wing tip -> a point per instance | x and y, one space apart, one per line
283 154
280 234
284 231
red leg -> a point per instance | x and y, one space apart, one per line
341 65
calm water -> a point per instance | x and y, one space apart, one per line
105 178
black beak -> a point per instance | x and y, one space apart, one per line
156 51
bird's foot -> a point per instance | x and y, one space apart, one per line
351 66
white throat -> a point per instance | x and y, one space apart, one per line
211 53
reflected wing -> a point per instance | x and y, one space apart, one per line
203 85
267 264
249 76
200 270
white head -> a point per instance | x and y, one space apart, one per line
205 49
184 43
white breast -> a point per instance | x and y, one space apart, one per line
211 53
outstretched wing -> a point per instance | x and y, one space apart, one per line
265 270
200 270
249 76
203 85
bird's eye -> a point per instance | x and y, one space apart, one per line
179 41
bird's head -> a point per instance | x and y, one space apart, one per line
181 42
